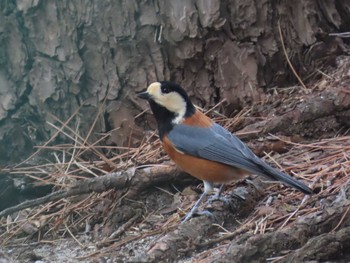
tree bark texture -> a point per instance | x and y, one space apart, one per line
57 56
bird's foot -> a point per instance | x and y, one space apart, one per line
228 202
200 213
189 214
221 198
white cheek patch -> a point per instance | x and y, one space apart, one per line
172 101
175 103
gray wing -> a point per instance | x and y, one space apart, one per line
219 145
215 144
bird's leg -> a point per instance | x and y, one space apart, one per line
218 193
194 208
207 188
217 196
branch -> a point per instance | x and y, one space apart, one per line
317 227
315 106
133 180
188 236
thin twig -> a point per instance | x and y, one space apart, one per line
287 58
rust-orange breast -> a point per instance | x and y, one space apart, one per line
201 168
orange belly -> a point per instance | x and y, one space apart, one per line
202 169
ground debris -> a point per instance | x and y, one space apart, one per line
140 220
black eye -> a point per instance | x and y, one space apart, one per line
165 89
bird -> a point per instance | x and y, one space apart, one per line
200 146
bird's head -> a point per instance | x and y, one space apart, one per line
168 97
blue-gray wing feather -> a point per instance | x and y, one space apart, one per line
215 144
219 145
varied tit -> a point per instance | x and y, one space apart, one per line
201 147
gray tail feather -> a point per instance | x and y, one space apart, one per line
292 182
277 175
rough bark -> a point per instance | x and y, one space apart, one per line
190 235
314 116
316 235
57 56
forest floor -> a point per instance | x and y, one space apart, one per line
304 132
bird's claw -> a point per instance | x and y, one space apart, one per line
189 215
223 199
200 213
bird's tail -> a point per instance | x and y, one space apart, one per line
279 176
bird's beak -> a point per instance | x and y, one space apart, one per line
144 95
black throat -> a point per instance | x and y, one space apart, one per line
165 118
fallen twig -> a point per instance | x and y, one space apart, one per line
136 181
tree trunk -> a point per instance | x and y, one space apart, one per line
60 56
82 62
